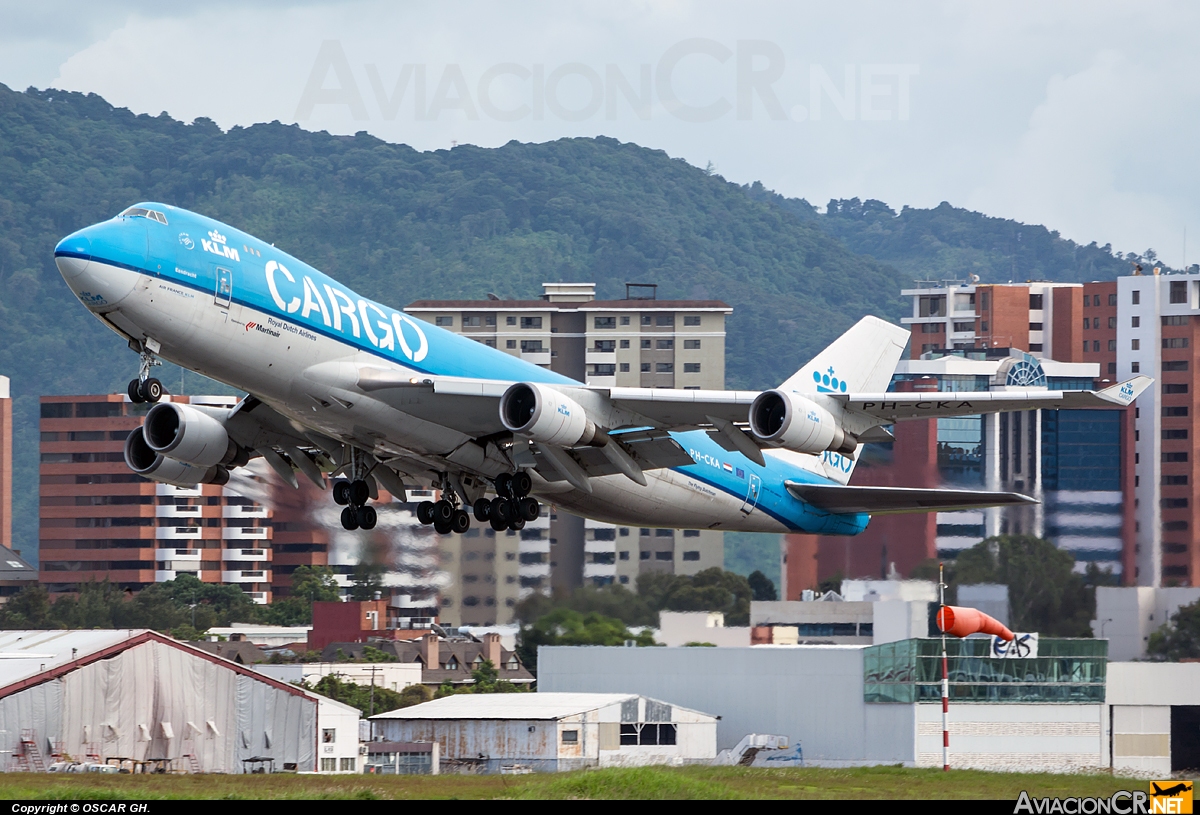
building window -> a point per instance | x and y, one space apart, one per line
1112 322
624 367
446 321
1169 458
1179 433
510 320
348 765
645 555
625 320
624 555
964 326
605 322
1174 342
691 533
570 736
1175 388
1174 480
1175 411
1178 291
664 533
1087 301
691 555
691 320
1135 367
646 319
1034 327
1136 345
329 765
645 367
531 322
691 345
666 345
489 319
1112 346
1112 300
645 344
983 325
1035 347
624 343
623 580
1137 297
1175 365
531 347
1174 319
510 343
664 320
1095 345
665 368
691 367
1112 366
604 346
472 321
1085 346
604 370
662 555
1175 526
1087 323
328 735
1035 302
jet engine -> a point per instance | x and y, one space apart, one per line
793 422
153 465
191 436
545 415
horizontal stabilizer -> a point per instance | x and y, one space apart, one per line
847 500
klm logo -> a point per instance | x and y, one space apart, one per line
1127 392
564 410
828 382
216 245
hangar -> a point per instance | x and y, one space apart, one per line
141 696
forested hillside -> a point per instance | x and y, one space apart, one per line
400 225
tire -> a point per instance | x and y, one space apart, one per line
341 492
504 485
425 512
151 390
483 510
521 484
528 509
461 521
441 529
443 512
502 510
497 524
367 517
135 392
360 493
349 519
516 525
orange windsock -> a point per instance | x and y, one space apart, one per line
961 622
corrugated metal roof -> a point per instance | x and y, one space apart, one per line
26 653
508 706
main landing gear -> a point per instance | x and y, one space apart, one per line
511 509
145 388
353 495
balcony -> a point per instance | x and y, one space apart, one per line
176 511
181 492
243 511
591 570
537 357
246 576
245 533
534 570
245 554
602 357
260 598
177 555
177 533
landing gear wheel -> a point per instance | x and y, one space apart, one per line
502 510
443 512
359 492
425 512
521 484
516 525
367 517
441 528
341 492
528 509
135 392
504 485
349 519
483 510
151 390
460 522
498 524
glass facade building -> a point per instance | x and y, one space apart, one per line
1066 671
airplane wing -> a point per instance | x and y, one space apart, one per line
886 408
846 500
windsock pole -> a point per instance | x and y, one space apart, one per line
945 677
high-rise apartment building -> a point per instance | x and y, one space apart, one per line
100 521
1158 335
636 342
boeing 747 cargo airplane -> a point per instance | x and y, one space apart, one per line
346 388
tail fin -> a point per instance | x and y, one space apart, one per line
860 361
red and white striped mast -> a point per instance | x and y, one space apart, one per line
945 673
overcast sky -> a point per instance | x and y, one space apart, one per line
1081 116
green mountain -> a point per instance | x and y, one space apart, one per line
399 225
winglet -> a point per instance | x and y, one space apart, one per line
1125 392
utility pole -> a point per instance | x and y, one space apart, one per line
371 704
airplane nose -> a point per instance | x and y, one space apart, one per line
73 254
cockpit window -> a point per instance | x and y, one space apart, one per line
142 212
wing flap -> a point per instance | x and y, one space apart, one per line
847 500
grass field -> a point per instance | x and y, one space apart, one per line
637 783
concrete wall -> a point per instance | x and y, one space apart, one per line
681 627
1042 737
811 694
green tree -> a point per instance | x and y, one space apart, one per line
709 590
28 608
1178 639
314 584
613 600
367 699
366 581
565 626
761 587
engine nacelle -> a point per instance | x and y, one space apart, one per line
189 435
153 465
793 422
545 415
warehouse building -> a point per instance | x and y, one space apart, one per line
143 697
548 732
